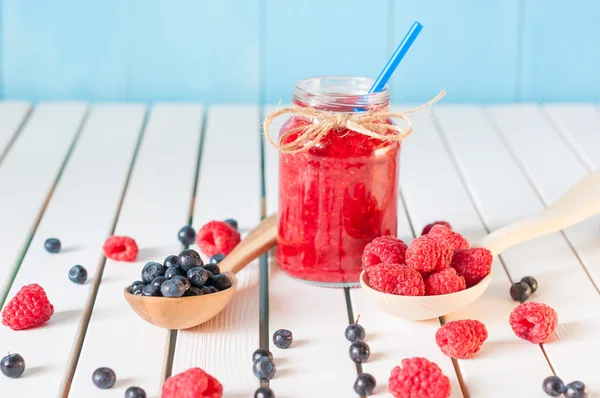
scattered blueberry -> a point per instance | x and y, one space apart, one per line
264 368
213 289
189 258
52 245
359 351
77 274
187 235
173 288
197 276
158 281
261 352
232 222
151 270
194 291
186 281
531 281
355 332
151 290
136 288
216 259
135 392
212 268
364 384
173 271
553 386
171 261
520 291
12 365
264 392
221 282
205 290
576 389
282 338
104 378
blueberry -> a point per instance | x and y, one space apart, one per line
186 282
531 281
364 384
355 332
77 274
264 392
213 269
359 351
221 282
282 338
12 365
173 288
52 245
194 291
197 276
158 281
151 270
173 271
213 289
171 261
135 392
189 258
520 291
216 259
104 378
264 369
187 235
205 290
576 389
136 287
151 290
261 352
232 222
553 386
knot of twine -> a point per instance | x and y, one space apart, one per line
373 124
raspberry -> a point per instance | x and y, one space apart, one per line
533 321
217 237
461 339
193 383
385 249
30 307
120 248
456 240
418 378
395 279
427 254
444 282
429 226
474 264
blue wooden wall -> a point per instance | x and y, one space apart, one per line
218 51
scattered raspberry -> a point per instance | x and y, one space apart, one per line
217 237
456 240
461 339
427 254
474 264
533 321
445 281
385 249
418 378
429 226
193 383
30 307
120 248
395 279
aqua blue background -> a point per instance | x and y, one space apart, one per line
218 51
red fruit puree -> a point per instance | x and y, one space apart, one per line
336 197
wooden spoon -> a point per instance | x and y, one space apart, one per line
579 203
187 312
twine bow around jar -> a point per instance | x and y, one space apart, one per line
373 124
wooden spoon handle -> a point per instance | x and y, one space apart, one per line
258 241
577 204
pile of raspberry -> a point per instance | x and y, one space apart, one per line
441 261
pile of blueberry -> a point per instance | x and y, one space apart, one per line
554 387
359 353
182 275
522 290
262 361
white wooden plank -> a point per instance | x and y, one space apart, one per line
116 337
88 182
228 186
12 115
504 194
28 174
272 160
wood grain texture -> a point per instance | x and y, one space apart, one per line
12 116
88 181
25 184
115 336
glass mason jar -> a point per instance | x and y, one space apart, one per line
340 194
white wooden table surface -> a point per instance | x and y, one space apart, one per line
81 172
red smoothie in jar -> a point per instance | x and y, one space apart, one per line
337 196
